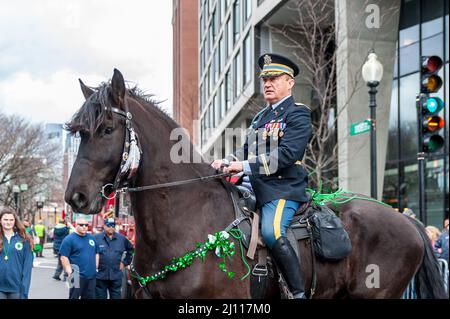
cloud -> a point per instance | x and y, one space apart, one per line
47 47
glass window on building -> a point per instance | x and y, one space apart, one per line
432 22
433 45
434 191
223 99
222 51
247 9
211 117
236 20
207 123
247 60
214 25
390 188
229 37
409 87
202 97
392 155
410 188
211 79
216 65
228 90
409 58
237 71
211 38
223 10
216 111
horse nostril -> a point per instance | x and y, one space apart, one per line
79 200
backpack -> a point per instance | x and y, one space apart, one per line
330 240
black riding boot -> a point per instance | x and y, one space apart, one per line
287 263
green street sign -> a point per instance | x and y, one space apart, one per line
361 127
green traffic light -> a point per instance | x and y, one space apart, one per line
433 143
434 105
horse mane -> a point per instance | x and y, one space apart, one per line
97 108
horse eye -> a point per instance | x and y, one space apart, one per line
108 130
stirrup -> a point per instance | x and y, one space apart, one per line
260 270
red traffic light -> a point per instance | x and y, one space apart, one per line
432 64
431 82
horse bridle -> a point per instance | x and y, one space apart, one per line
131 154
131 159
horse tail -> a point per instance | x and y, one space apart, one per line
429 283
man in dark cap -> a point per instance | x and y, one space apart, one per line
112 246
271 161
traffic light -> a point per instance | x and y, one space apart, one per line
430 123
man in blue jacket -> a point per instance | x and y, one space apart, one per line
112 247
271 160
59 233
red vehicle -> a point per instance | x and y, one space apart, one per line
124 222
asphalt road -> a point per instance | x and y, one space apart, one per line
43 286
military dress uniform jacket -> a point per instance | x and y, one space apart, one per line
274 147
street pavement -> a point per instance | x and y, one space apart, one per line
43 286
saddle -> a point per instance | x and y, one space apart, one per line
247 220
318 224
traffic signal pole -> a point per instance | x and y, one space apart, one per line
421 159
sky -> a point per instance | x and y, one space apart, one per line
47 45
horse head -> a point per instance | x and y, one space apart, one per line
101 123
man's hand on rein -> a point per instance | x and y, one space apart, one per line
234 168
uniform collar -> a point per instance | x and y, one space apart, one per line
114 236
274 106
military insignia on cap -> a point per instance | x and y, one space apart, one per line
267 59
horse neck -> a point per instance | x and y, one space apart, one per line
185 214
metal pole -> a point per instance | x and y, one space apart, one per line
373 139
421 160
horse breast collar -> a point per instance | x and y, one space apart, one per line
131 154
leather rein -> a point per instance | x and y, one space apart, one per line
131 160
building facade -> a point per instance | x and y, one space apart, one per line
185 63
232 34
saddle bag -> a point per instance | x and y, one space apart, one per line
330 240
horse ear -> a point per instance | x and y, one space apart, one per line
118 87
87 92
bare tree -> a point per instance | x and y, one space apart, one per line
26 157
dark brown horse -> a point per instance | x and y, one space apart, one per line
388 248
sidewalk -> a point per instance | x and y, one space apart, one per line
43 286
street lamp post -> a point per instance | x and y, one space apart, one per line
16 191
372 72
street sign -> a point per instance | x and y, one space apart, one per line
361 127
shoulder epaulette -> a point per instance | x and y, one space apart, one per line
300 104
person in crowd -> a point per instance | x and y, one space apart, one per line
80 260
441 245
433 233
111 247
59 233
16 257
40 232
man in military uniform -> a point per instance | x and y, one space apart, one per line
271 160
